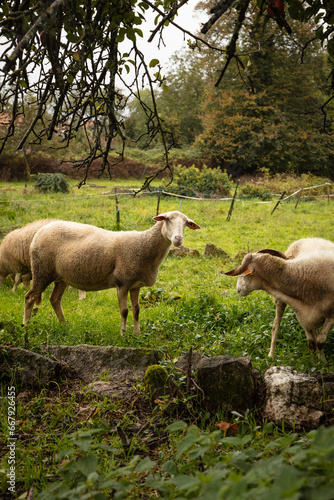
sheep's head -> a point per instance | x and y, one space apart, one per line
174 226
249 278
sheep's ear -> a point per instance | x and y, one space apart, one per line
234 272
275 253
159 217
192 225
242 268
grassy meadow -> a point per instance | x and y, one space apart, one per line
75 444
191 304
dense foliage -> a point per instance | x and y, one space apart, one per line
267 114
56 183
207 181
61 61
205 466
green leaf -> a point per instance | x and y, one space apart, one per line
185 482
296 10
176 426
170 467
64 454
84 443
154 62
237 441
145 465
87 465
130 34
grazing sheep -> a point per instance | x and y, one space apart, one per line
91 258
297 248
304 282
14 253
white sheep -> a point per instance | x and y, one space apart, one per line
305 282
297 248
14 253
15 257
91 258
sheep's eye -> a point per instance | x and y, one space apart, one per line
248 272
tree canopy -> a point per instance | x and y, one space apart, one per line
63 59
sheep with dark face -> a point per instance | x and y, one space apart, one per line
304 281
91 258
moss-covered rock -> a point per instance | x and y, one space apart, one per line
156 376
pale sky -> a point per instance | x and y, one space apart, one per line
174 39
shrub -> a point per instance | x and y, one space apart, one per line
207 181
252 190
52 182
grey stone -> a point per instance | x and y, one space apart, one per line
183 252
213 250
227 383
91 362
183 361
293 397
28 368
113 390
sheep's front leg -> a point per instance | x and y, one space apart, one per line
311 336
280 308
122 294
55 299
134 295
31 298
321 339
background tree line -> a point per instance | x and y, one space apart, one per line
254 89
267 112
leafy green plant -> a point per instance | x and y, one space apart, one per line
207 181
205 465
52 183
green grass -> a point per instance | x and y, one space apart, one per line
191 305
209 315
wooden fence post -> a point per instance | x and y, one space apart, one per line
279 201
299 196
158 204
118 217
232 203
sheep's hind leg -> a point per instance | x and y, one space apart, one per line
134 295
280 308
122 295
17 281
55 299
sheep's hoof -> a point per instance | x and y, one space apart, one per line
123 332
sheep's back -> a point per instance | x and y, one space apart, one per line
14 249
314 273
308 245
